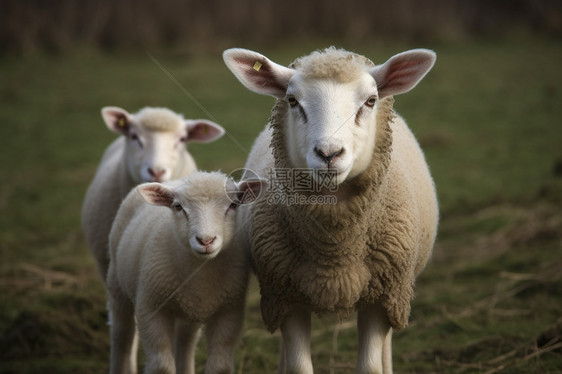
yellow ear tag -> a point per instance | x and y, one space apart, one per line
121 122
257 66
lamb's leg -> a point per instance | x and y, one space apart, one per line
295 346
156 332
374 334
187 336
122 336
222 332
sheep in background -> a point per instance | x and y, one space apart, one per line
151 149
175 266
334 112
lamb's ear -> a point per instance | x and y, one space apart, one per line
117 120
249 190
257 72
403 71
202 130
156 194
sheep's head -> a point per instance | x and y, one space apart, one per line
332 100
204 208
156 139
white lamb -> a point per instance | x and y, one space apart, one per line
175 266
334 117
151 149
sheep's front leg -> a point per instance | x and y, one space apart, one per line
295 345
374 341
387 354
156 332
123 333
222 333
134 351
187 335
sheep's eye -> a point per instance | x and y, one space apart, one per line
232 206
183 139
177 207
134 137
292 101
371 101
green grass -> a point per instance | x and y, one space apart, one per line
488 118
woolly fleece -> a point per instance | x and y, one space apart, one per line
332 63
364 250
150 268
159 119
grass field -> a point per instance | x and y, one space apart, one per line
488 117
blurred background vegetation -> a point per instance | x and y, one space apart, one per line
488 117
59 25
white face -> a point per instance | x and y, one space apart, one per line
156 140
204 226
331 125
153 156
204 214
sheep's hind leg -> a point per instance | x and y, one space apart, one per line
295 345
374 341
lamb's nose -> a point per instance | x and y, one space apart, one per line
156 173
206 241
328 158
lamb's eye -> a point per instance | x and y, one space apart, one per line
177 207
371 101
292 101
183 139
232 206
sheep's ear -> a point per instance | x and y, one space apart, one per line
117 120
156 194
249 190
203 131
403 71
257 72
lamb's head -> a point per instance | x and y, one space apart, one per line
332 100
204 207
156 139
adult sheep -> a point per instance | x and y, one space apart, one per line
175 266
151 149
334 117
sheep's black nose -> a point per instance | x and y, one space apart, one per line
328 158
